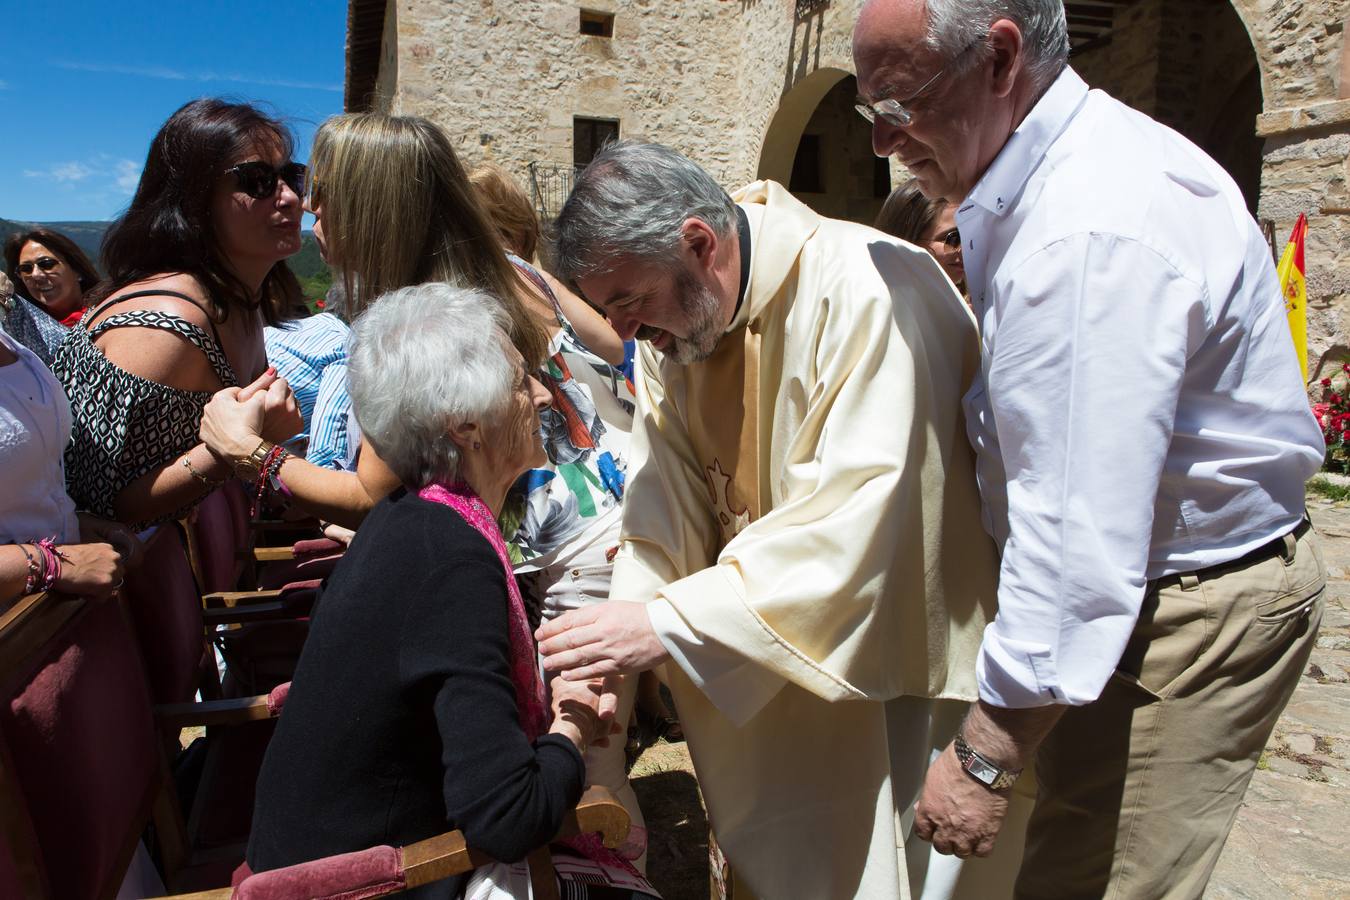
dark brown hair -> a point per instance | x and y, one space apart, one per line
60 245
907 213
168 226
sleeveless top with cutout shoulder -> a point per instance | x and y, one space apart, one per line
124 425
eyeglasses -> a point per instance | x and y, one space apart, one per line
45 263
259 179
897 112
951 239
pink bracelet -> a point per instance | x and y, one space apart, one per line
51 559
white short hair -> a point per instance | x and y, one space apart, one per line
954 25
422 361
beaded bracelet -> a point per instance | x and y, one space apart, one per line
51 562
271 466
34 570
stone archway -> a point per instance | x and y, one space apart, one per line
821 149
795 109
1192 65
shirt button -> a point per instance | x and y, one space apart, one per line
576 573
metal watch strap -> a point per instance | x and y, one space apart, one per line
983 769
252 464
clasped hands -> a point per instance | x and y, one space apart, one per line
237 419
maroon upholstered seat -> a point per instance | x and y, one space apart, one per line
166 611
219 530
77 726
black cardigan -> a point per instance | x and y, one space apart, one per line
401 722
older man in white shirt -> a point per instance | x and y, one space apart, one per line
1143 437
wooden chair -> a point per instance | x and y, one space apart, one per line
380 871
82 764
82 772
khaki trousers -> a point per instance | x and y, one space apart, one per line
1139 789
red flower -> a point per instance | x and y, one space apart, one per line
1320 410
1334 399
319 304
1326 382
1345 367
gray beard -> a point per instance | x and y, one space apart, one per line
705 326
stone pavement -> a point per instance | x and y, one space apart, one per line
1292 836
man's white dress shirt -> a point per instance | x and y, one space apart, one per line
1140 410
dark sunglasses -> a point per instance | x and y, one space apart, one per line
45 263
950 239
259 179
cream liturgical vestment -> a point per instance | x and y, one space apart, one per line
803 517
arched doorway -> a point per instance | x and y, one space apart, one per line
821 149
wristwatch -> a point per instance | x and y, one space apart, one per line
982 769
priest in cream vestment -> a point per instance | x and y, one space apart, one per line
801 526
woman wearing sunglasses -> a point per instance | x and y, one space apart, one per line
53 272
930 224
195 266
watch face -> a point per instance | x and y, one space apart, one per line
986 773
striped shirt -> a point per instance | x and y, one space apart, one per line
311 354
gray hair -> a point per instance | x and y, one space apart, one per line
953 25
423 360
630 204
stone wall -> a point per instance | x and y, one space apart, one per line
734 84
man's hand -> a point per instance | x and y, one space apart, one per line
614 638
957 814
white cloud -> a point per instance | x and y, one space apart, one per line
126 175
178 75
62 172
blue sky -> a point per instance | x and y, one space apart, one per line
85 85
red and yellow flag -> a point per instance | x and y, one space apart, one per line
1294 283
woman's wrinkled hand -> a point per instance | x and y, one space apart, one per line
90 570
577 712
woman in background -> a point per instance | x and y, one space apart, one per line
929 224
55 273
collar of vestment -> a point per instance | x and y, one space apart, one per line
1027 145
773 251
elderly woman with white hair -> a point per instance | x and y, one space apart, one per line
417 706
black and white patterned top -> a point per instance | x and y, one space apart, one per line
126 425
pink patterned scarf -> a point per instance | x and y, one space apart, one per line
530 702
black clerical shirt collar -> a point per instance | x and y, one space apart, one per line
742 232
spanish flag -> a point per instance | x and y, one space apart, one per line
1294 284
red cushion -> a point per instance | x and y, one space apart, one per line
347 876
215 531
84 748
166 612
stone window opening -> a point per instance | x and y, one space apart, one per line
589 137
597 24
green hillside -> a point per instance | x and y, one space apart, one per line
307 265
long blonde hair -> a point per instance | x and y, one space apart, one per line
398 210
